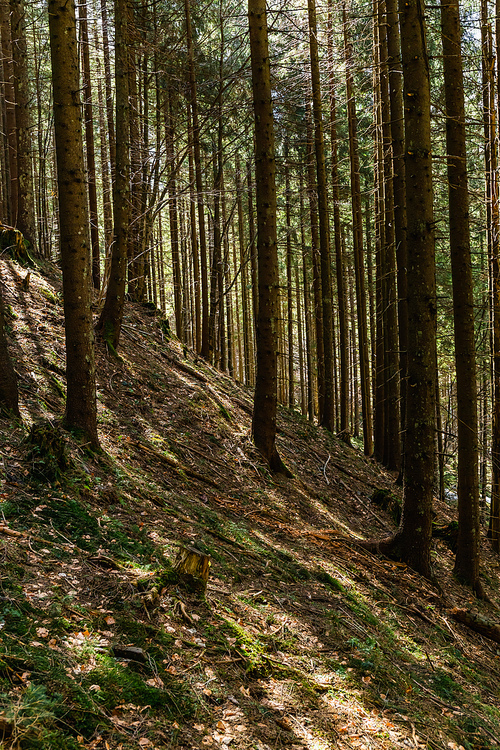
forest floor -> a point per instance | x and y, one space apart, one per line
303 639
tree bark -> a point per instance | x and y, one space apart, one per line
364 358
202 240
9 400
327 415
90 146
467 557
412 541
81 409
111 317
10 112
265 399
339 258
25 194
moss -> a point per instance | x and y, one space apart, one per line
329 581
47 452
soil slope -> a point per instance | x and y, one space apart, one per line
303 639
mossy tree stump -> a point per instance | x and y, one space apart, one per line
193 569
47 451
13 242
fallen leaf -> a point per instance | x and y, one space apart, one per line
42 632
156 682
109 620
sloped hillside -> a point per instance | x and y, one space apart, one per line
303 639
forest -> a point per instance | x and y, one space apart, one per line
249 320
309 195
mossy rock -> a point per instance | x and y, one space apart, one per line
47 452
386 500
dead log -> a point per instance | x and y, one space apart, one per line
193 569
477 623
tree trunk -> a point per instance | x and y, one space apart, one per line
412 541
264 412
392 423
172 213
9 400
10 112
364 358
81 410
339 259
89 141
467 558
25 194
289 296
111 317
327 416
315 261
204 351
398 180
108 88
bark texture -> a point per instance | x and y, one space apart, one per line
81 411
265 399
467 558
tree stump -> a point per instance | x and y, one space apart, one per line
47 451
193 569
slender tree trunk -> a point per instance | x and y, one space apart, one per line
10 112
316 265
412 542
105 164
111 317
467 557
307 306
194 236
89 141
378 348
364 358
204 351
25 194
81 409
243 262
398 180
327 416
173 216
291 381
108 88
252 247
9 400
392 422
265 406
492 197
339 260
